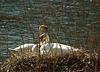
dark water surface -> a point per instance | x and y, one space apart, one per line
17 17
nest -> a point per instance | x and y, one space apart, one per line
74 61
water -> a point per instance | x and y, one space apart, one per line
15 30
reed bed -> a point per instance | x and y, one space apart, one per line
74 61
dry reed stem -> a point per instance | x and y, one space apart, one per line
74 61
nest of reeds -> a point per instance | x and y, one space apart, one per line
74 61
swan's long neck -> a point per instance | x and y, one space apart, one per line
35 48
40 31
47 39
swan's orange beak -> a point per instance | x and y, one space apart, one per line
46 30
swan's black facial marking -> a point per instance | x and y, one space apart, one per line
46 29
41 37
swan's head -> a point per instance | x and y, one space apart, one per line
43 27
44 38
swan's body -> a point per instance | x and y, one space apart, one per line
56 48
53 48
22 48
29 46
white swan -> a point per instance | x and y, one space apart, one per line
29 46
52 48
